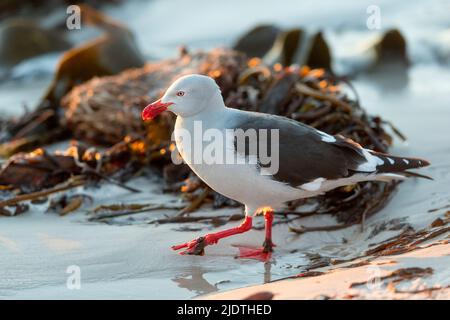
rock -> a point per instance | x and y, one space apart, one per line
319 55
388 55
21 39
391 48
109 54
257 41
285 47
296 46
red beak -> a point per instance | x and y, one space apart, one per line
153 109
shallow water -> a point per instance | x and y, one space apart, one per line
134 260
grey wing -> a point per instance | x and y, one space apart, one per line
305 153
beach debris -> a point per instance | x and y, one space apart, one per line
400 275
349 210
302 229
174 174
308 274
37 170
40 200
408 240
278 93
317 261
66 204
104 212
390 225
196 202
216 220
440 208
358 264
33 130
14 209
428 291
37 174
220 201
438 223
73 182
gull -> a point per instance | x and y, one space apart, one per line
310 162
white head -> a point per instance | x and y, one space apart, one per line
186 97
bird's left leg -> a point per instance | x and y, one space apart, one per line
268 220
261 253
197 246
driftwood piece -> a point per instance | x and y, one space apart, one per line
71 183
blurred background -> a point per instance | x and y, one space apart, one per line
418 36
396 54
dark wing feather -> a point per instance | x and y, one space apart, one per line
303 154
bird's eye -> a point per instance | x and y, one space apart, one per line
180 93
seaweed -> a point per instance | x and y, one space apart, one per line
399 275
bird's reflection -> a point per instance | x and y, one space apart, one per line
267 271
193 280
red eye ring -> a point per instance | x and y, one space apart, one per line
180 93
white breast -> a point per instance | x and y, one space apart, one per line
241 182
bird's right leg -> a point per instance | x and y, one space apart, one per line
197 246
263 253
268 220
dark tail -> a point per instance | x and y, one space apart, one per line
392 164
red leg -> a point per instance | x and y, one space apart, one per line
262 253
197 246
268 219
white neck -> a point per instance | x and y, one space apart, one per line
215 106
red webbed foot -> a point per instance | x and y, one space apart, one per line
256 253
263 253
196 246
